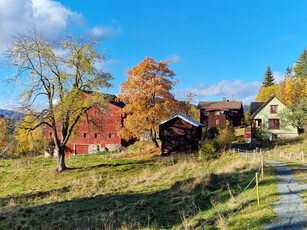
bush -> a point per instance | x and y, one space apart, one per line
262 135
216 140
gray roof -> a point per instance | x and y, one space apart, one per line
219 104
255 106
183 117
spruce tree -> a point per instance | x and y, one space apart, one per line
268 78
300 67
288 72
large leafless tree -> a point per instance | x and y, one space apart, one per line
57 75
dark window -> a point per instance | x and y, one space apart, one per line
274 108
274 124
111 135
97 135
86 135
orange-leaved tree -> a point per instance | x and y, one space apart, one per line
148 98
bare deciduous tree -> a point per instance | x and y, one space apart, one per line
56 75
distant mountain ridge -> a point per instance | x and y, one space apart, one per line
8 113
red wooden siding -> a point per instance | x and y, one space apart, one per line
81 149
85 134
178 135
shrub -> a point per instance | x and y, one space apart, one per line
262 135
216 140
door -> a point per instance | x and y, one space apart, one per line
81 149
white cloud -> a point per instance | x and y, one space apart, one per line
248 100
174 58
103 33
50 17
279 76
240 89
11 105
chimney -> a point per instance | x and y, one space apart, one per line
223 98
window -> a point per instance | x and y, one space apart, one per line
274 108
274 124
111 135
97 135
217 113
86 135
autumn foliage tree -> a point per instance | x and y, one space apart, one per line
148 98
27 140
57 75
4 133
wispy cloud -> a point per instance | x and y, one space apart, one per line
174 58
11 105
240 89
284 39
279 76
100 33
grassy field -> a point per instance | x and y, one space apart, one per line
282 148
146 192
280 152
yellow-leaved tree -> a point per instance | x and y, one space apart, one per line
148 98
288 91
4 134
266 92
29 141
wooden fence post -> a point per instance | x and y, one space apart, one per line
262 159
257 189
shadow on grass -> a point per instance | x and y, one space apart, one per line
160 209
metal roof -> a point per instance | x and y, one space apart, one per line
183 117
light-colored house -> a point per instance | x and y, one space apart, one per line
266 116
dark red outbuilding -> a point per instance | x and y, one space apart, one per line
179 134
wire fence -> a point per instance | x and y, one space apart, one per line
260 172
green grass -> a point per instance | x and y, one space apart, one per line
145 193
287 145
280 152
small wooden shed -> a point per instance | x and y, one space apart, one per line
179 134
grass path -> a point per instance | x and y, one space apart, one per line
290 209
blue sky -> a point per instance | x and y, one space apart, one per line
218 48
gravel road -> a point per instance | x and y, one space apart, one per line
290 208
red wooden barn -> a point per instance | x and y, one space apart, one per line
88 139
179 133
213 113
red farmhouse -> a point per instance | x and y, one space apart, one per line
213 113
87 139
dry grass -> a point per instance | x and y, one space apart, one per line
131 193
296 146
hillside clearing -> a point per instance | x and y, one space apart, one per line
149 192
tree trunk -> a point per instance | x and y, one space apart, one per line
153 137
154 140
61 160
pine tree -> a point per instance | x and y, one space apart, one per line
300 67
268 78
